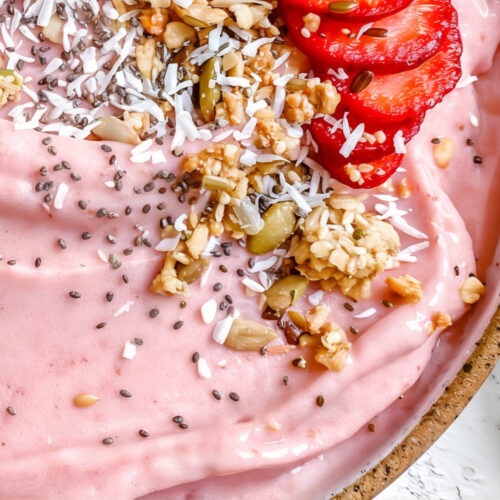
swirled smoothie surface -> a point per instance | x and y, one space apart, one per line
178 413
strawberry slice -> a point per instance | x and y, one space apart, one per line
362 10
331 139
395 43
363 176
409 94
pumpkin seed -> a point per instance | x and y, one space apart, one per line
361 81
279 224
342 7
192 271
247 335
286 292
209 93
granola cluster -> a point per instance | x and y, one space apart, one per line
340 245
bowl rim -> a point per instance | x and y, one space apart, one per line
435 421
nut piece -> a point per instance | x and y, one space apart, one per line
285 292
246 335
177 33
471 290
279 224
442 152
112 128
84 400
311 22
406 286
54 30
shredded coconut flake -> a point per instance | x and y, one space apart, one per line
129 350
366 313
208 311
252 285
62 191
399 142
221 329
124 309
203 369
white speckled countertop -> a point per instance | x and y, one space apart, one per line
465 462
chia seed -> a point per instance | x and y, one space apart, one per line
234 396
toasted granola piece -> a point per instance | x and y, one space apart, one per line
405 286
471 290
335 348
440 320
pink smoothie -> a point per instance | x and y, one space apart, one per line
75 275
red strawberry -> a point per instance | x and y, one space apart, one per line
362 10
409 94
395 43
361 176
331 143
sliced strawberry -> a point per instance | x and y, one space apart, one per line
409 94
361 176
395 43
362 10
331 139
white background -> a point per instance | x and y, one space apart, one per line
465 462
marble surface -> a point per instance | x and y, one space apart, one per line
465 462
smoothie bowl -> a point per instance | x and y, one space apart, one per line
235 261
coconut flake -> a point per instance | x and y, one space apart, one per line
352 140
298 198
124 309
129 350
363 30
264 265
406 255
208 311
399 142
466 81
48 7
252 285
203 369
24 29
62 191
316 298
248 158
249 217
179 223
250 49
366 313
168 244
185 4
221 329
